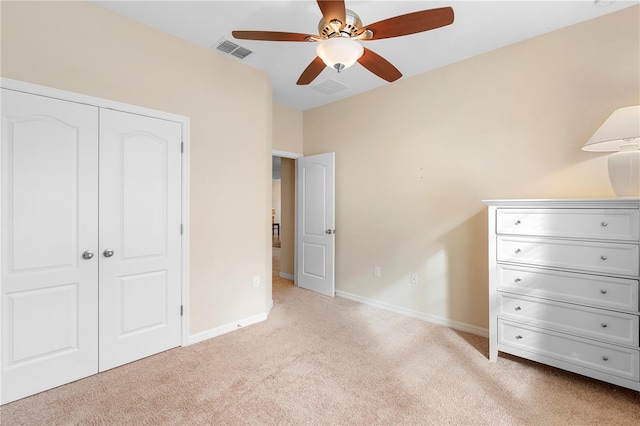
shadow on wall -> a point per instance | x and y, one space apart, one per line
450 259
455 274
468 289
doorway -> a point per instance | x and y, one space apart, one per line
283 217
307 216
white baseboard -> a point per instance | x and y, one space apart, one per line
227 328
286 276
479 331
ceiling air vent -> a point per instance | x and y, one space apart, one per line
233 49
330 87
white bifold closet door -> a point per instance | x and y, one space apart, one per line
49 218
90 240
140 211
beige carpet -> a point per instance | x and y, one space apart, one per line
323 361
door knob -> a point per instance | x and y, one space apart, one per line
107 252
87 254
330 231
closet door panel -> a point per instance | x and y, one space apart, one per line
49 218
144 196
140 216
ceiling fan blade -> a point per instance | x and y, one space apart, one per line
333 9
379 66
411 23
311 72
270 36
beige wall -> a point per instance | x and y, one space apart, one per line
506 124
80 47
287 129
287 226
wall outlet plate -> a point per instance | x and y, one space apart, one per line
256 281
414 278
376 271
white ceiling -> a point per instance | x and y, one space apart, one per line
479 26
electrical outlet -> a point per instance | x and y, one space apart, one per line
414 278
376 271
256 281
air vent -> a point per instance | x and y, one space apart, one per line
233 49
241 52
330 87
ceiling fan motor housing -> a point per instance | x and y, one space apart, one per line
336 28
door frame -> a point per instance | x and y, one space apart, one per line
64 95
293 156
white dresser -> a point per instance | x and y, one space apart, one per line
563 285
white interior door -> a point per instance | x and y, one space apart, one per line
315 245
140 247
49 218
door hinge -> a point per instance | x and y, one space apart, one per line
181 146
181 229
181 310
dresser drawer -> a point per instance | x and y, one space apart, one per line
593 290
605 258
610 359
601 224
608 326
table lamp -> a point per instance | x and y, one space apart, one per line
621 133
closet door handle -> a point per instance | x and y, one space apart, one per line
107 252
87 254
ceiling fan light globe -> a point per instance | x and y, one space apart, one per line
339 50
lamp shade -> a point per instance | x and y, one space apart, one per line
339 50
621 126
621 133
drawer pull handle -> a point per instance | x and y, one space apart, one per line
603 257
603 291
518 251
605 358
518 337
604 325
518 308
518 222
604 224
517 280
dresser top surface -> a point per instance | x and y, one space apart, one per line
633 203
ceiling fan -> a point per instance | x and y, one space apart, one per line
340 32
